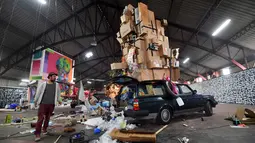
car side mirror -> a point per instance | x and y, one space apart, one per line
194 91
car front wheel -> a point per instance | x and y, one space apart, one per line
164 116
208 109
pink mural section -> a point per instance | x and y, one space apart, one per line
36 67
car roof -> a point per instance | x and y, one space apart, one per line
155 81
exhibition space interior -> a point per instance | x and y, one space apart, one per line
127 71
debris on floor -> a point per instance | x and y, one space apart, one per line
185 125
239 126
242 116
183 140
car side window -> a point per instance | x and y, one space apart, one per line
185 90
151 89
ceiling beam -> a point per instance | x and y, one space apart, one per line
201 48
32 10
206 35
195 63
204 19
237 35
9 78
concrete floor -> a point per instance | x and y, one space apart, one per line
212 130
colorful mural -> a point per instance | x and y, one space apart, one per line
49 60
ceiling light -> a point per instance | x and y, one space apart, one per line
186 60
226 71
222 26
89 82
200 79
89 54
42 1
25 80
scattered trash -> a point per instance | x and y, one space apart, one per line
183 140
239 126
202 119
28 131
69 130
130 126
97 131
185 125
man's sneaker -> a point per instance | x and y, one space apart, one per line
37 138
45 133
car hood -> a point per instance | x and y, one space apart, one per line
207 96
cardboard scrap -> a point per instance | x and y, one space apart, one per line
132 137
242 112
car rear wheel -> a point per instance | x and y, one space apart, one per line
208 109
164 116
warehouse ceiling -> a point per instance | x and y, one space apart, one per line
70 26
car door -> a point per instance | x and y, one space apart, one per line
150 96
186 93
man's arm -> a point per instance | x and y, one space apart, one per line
58 94
38 92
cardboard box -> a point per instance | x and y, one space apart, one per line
141 59
154 62
118 35
162 31
145 74
152 22
115 66
151 54
143 13
125 18
126 29
164 23
164 61
128 10
137 18
175 63
160 74
141 44
120 40
145 31
125 50
161 38
164 51
176 74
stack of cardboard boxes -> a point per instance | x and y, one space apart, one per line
145 48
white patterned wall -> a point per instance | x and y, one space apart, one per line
234 88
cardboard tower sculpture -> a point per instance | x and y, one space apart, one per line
145 48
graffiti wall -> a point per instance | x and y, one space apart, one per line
10 95
238 88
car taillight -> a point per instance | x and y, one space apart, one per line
136 105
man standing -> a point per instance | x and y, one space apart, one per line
47 96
